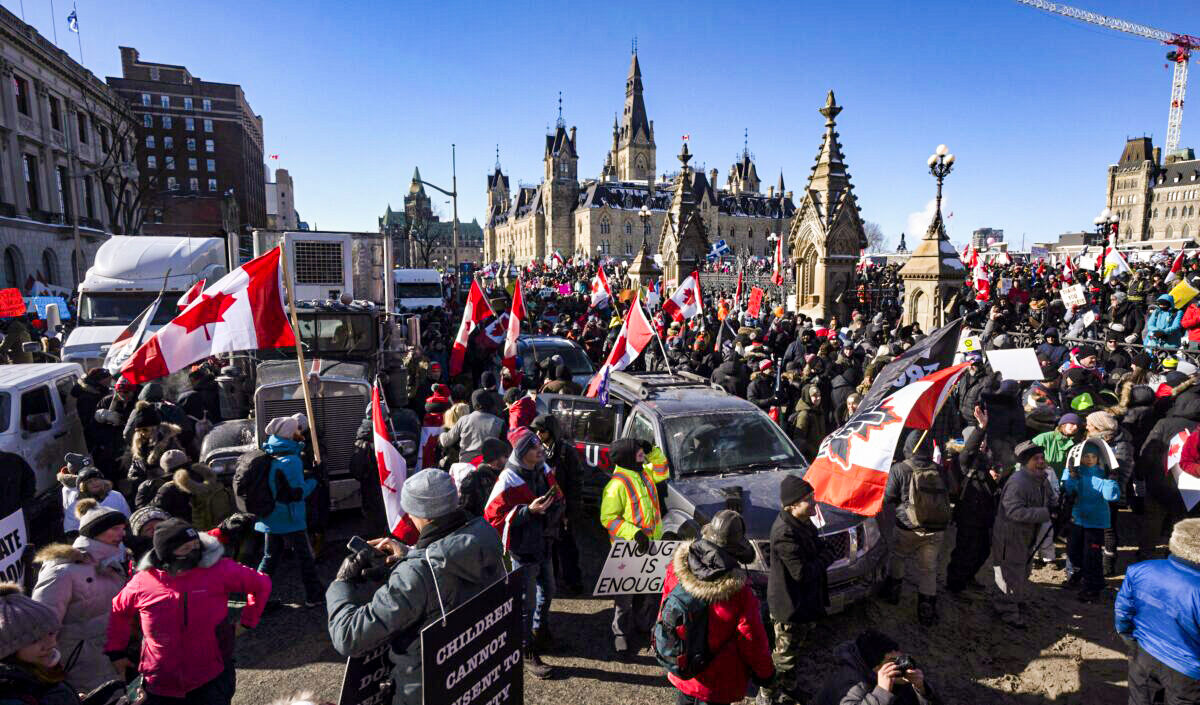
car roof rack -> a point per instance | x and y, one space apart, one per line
645 384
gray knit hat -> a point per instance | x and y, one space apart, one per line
172 460
145 515
22 620
95 518
429 494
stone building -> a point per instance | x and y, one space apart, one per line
603 215
421 239
65 150
1156 202
281 202
826 235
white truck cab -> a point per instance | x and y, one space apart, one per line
38 420
417 289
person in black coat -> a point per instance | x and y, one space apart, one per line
1163 503
1006 416
476 487
18 484
975 511
87 393
732 375
798 586
761 390
568 473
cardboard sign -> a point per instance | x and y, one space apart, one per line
39 303
1074 295
1189 485
756 297
1183 293
473 655
1019 364
564 289
11 303
625 573
13 539
1006 286
368 678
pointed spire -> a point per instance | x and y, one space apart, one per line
416 173
560 122
745 142
417 186
497 157
635 69
779 188
635 45
829 179
635 125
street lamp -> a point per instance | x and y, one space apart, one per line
453 194
644 214
941 163
1105 223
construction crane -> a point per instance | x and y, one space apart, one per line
1182 44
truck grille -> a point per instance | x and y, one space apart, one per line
839 547
318 262
337 423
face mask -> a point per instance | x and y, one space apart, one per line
187 561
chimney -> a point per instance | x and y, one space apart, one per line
712 178
1158 155
572 135
651 129
789 195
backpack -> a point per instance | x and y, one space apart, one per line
251 483
681 634
928 499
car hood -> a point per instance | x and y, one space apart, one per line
760 499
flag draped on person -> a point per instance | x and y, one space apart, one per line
392 472
476 312
852 465
130 339
981 282
243 310
507 496
601 291
635 334
190 295
686 301
516 315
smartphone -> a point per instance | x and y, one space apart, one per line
358 543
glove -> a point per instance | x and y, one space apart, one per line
237 524
641 543
354 567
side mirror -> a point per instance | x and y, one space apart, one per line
31 346
35 423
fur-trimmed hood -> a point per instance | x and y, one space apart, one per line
149 444
1185 541
185 479
211 552
59 554
68 479
711 591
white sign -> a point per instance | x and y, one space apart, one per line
626 573
1189 485
13 539
1006 285
1074 295
1038 253
1089 317
1019 364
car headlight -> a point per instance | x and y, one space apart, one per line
868 532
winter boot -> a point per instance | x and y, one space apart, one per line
537 668
926 611
1110 563
890 592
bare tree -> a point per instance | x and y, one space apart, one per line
876 240
127 198
423 237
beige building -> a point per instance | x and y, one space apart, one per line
603 215
1156 202
281 202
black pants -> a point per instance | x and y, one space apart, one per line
218 691
681 699
1112 538
1150 678
972 546
276 544
1084 550
566 560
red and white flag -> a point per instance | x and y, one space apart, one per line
601 291
392 473
243 310
476 312
130 339
777 267
1068 268
983 285
737 292
516 315
686 301
1176 268
970 256
635 334
554 260
190 295
852 465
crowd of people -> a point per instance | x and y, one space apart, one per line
1058 472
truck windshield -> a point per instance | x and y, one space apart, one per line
416 290
574 358
727 443
118 309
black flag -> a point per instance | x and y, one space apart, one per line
935 352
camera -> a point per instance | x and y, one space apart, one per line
905 663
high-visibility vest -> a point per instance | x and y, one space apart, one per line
630 500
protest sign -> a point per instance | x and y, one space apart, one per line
13 539
1006 286
756 297
1074 295
11 303
625 573
368 678
1019 364
38 304
1182 293
473 655
1038 253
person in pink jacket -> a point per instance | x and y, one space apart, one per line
180 595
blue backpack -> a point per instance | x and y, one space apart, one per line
681 634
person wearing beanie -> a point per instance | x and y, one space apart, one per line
455 557
1023 518
31 668
286 527
568 473
82 480
526 508
1088 479
470 431
1055 445
1163 642
475 485
156 476
1104 426
180 597
562 382
798 586
78 581
151 437
142 524
630 510
193 492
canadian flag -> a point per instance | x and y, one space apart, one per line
1176 268
129 340
601 291
851 467
392 473
190 295
1068 268
242 311
686 301
554 260
476 312
516 316
635 334
983 286
777 267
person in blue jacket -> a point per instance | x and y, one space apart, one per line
1158 615
1164 326
287 526
1088 480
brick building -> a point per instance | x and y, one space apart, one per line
197 143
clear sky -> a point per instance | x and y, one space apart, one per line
355 94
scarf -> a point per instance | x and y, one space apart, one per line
106 555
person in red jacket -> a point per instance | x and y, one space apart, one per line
1191 322
710 569
180 595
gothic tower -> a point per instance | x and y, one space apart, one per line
684 237
497 204
417 206
634 149
560 191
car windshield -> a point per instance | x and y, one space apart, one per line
572 357
104 309
731 442
417 290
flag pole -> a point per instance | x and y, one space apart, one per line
308 408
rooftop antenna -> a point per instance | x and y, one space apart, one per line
561 122
497 157
635 45
745 141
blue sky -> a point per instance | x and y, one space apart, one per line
355 94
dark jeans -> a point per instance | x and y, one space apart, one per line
539 593
276 544
566 560
1150 678
1084 553
218 691
972 546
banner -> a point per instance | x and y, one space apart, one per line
38 304
625 573
473 655
11 303
935 352
368 678
1038 253
1182 294
756 297
13 539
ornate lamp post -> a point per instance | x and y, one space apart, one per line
941 163
1106 224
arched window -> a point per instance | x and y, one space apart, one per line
50 266
13 271
628 228
604 225
628 248
1183 233
750 233
1170 232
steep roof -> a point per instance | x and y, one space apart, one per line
1137 150
829 183
635 126
559 143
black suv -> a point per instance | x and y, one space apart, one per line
723 452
